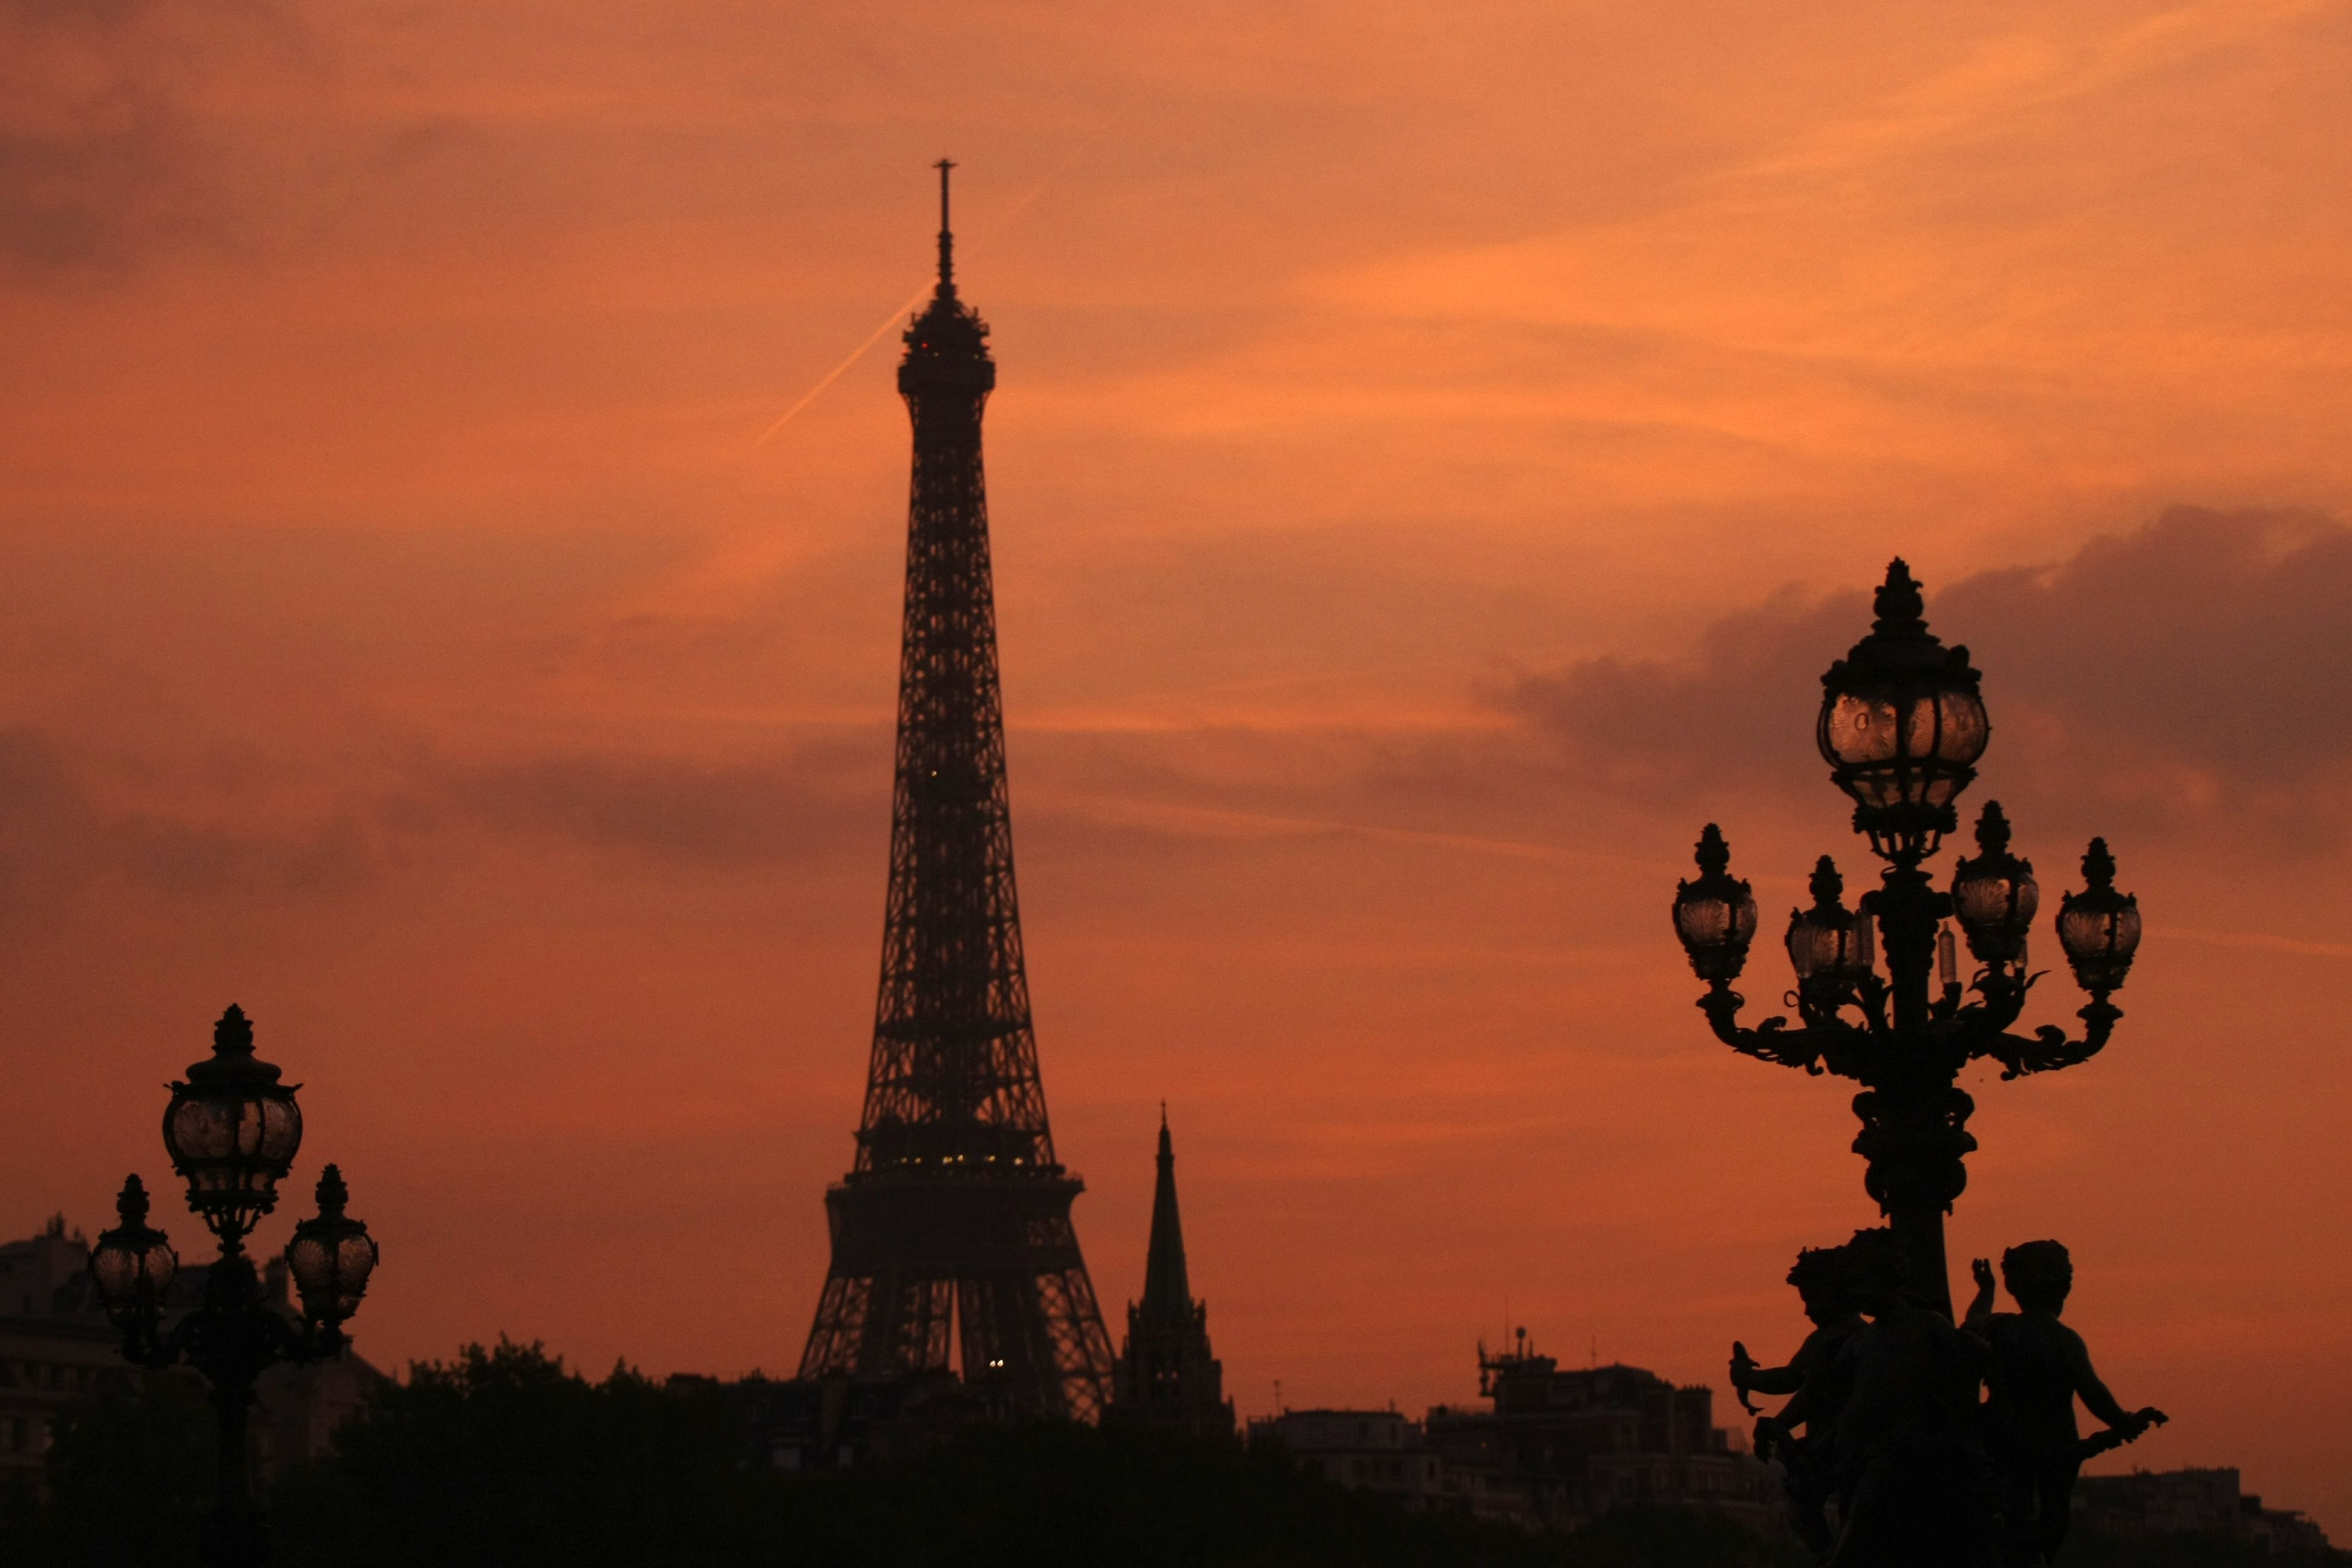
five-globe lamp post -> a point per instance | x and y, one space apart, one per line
232 1130
1902 724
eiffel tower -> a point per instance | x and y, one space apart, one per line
953 1227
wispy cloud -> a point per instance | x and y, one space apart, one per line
2009 74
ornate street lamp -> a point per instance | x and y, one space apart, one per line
1715 916
331 1254
2098 927
1829 946
1902 725
1994 896
232 1130
134 1264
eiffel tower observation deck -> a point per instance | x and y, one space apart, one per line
952 1247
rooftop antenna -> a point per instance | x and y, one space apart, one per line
947 236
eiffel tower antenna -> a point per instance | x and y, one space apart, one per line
952 1246
946 234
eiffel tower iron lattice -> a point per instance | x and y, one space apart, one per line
954 1222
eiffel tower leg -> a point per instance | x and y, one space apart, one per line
896 1322
917 1338
1078 1344
840 1327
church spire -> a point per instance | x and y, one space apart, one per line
1166 1374
1167 1293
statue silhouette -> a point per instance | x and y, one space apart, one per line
1914 1484
1819 1377
2039 1367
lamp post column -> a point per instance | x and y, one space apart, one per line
234 1535
231 1343
1915 1135
1914 1116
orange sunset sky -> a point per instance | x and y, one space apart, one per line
1437 449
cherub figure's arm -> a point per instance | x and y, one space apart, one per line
1827 1364
1777 1380
1747 1377
1799 1411
2095 1397
1980 1313
1791 1378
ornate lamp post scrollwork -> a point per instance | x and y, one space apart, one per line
232 1130
1902 725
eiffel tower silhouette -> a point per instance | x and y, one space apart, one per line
952 1230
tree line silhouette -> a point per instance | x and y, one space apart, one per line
506 1457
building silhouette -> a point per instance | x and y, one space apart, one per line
1558 1448
1165 1375
951 1238
1363 1450
1552 1449
2206 1502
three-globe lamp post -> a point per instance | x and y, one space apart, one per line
232 1130
1902 725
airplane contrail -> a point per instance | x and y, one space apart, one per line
889 321
900 314
1009 214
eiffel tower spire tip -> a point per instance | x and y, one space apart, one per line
946 234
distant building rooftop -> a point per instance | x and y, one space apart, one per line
1549 1448
2202 1501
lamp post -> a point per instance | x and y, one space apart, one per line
232 1130
1902 724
